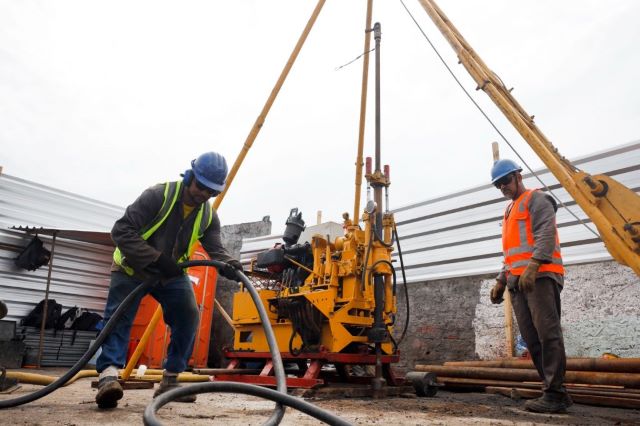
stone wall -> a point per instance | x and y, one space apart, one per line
453 319
221 332
441 315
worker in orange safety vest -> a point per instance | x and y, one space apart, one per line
534 274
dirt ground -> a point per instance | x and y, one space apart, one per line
74 405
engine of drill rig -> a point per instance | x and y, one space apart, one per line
331 294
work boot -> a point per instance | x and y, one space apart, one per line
548 405
169 382
109 392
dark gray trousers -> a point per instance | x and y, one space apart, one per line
538 316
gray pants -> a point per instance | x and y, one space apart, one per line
538 316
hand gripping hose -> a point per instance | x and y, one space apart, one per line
280 396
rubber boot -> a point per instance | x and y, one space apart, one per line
170 381
109 392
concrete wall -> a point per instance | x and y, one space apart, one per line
221 332
441 316
453 319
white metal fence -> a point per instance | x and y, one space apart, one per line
80 270
460 234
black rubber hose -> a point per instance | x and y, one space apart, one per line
406 290
244 388
393 272
24 399
280 396
381 240
276 358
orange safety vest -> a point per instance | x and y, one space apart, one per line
518 240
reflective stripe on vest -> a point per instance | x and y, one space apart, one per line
202 222
518 240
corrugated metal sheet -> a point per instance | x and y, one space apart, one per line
80 270
60 348
460 235
103 238
252 246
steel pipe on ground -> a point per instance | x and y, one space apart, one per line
526 375
611 365
453 382
44 380
461 383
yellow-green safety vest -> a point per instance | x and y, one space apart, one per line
202 222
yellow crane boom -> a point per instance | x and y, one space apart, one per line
613 208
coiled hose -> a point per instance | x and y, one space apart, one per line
280 396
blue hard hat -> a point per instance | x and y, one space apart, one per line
501 168
210 169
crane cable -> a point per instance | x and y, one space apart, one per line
582 222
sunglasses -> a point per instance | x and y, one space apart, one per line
203 187
503 181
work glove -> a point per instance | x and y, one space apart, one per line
167 266
497 292
229 269
528 278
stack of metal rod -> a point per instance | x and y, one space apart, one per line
613 382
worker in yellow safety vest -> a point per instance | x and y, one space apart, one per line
534 274
159 230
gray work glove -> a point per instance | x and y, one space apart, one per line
528 278
497 292
229 269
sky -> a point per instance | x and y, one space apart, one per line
104 99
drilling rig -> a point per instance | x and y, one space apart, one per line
330 300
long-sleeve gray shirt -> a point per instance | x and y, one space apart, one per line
542 209
171 238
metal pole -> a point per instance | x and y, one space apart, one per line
267 106
363 113
46 299
619 365
377 188
378 332
630 380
